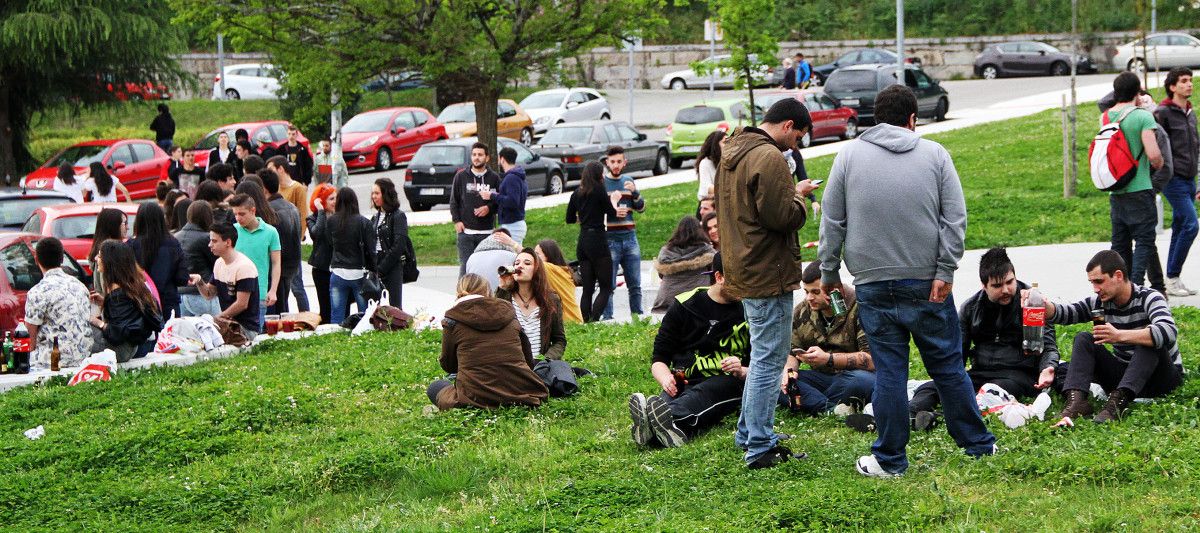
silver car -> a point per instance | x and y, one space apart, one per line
1161 51
722 78
556 106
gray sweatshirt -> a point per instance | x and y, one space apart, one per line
893 208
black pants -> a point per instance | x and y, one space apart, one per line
703 405
321 280
394 283
467 242
284 291
926 398
595 264
1134 217
1149 373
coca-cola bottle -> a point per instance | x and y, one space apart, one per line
22 345
1033 321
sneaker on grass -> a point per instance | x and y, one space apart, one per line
868 465
642 434
662 423
774 456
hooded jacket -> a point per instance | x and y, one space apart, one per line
681 270
893 208
760 213
483 343
1180 125
697 333
511 198
197 257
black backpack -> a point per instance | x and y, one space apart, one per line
408 262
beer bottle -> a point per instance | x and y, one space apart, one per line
5 351
54 356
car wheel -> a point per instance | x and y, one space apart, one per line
527 137
851 129
990 72
661 163
1059 69
1137 65
943 106
676 162
421 207
232 94
678 84
554 183
806 140
383 160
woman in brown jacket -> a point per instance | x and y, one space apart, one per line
483 344
538 308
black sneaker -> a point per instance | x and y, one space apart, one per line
774 456
924 420
642 434
662 422
861 423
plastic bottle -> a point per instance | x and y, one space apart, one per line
21 348
1033 320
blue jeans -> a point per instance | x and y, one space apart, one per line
196 305
770 321
626 253
340 293
518 230
821 392
1181 194
891 312
166 145
298 290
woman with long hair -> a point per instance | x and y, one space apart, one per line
209 191
353 242
160 255
168 208
538 308
706 163
130 317
193 237
257 193
392 244
103 187
561 278
682 263
589 205
321 207
110 224
709 223
67 184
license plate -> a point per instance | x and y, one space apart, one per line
850 102
433 192
691 149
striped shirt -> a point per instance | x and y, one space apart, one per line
532 325
1146 308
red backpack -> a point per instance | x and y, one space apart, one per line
1113 164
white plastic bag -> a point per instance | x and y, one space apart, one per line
364 324
96 367
189 335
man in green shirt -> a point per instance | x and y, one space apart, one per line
1132 209
259 242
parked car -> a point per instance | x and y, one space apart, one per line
138 163
862 56
19 273
511 121
248 81
126 91
830 118
74 225
1029 58
577 143
268 132
431 172
556 106
382 137
723 79
1162 51
17 204
855 87
396 82
693 123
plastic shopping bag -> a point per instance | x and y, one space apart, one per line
96 367
364 324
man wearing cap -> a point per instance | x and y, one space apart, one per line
700 360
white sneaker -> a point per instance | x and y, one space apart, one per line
1175 287
868 465
843 410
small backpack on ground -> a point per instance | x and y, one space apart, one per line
1113 164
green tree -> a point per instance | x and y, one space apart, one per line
751 35
56 52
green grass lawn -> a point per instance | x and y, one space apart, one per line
329 434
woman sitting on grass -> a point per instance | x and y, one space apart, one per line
483 344
539 310
561 278
683 263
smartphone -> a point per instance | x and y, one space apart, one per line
817 182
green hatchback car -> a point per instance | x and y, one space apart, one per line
693 123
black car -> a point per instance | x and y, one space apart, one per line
862 56
430 174
17 204
576 143
1028 58
856 87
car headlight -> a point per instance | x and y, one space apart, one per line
542 120
365 143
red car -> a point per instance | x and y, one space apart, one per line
19 273
138 163
830 118
74 225
381 138
270 133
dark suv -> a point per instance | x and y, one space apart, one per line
855 87
1029 58
430 174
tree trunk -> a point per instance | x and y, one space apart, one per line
485 119
750 87
8 160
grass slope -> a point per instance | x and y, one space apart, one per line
328 433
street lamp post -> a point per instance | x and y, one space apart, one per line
900 42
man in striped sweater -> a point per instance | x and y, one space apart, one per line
1144 361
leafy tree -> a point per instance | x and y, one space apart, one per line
55 52
752 37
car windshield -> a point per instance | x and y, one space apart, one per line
851 80
209 142
83 226
458 113
572 135
766 101
79 156
15 211
699 115
543 100
1048 48
439 156
367 122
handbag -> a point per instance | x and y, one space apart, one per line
231 332
372 286
388 318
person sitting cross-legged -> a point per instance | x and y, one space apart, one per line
836 348
700 357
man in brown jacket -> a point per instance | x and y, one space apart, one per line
760 210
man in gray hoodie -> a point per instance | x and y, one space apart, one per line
894 209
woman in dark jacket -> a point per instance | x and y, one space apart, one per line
483 344
391 230
160 255
353 242
682 263
224 152
131 318
538 309
321 258
193 238
589 206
